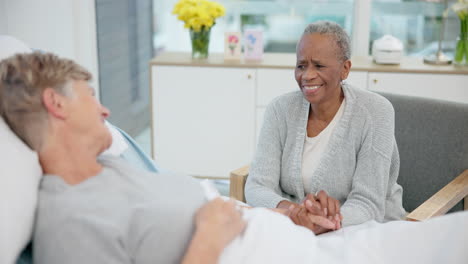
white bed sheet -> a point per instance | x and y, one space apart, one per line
273 238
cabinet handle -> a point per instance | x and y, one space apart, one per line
249 76
375 81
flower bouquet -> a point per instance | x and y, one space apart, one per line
461 51
199 16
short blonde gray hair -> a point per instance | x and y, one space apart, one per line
335 31
23 78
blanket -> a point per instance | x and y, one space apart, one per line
273 238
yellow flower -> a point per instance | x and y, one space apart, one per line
198 14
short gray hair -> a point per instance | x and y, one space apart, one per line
23 79
336 31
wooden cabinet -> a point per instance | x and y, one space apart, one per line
450 87
203 122
207 115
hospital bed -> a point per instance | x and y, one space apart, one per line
451 154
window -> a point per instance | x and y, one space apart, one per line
416 23
124 30
282 22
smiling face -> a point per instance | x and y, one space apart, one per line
319 71
86 116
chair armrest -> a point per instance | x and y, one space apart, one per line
237 181
443 200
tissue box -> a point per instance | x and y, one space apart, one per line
387 50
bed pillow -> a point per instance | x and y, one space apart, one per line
119 144
20 174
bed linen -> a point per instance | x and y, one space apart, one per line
272 238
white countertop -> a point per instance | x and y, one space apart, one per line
288 60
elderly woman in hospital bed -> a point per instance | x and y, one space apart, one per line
18 190
100 209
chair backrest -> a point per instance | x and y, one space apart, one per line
432 138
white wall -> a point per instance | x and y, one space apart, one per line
64 27
3 20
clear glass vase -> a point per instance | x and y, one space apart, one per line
461 49
200 43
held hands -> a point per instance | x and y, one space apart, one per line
329 205
320 213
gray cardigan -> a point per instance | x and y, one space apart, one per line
359 166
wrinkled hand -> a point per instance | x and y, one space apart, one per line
316 220
329 206
220 222
317 223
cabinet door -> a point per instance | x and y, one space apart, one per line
203 119
451 87
357 79
272 83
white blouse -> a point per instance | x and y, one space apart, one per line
314 148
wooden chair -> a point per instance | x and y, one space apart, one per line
432 138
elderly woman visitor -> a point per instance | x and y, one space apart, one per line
328 148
